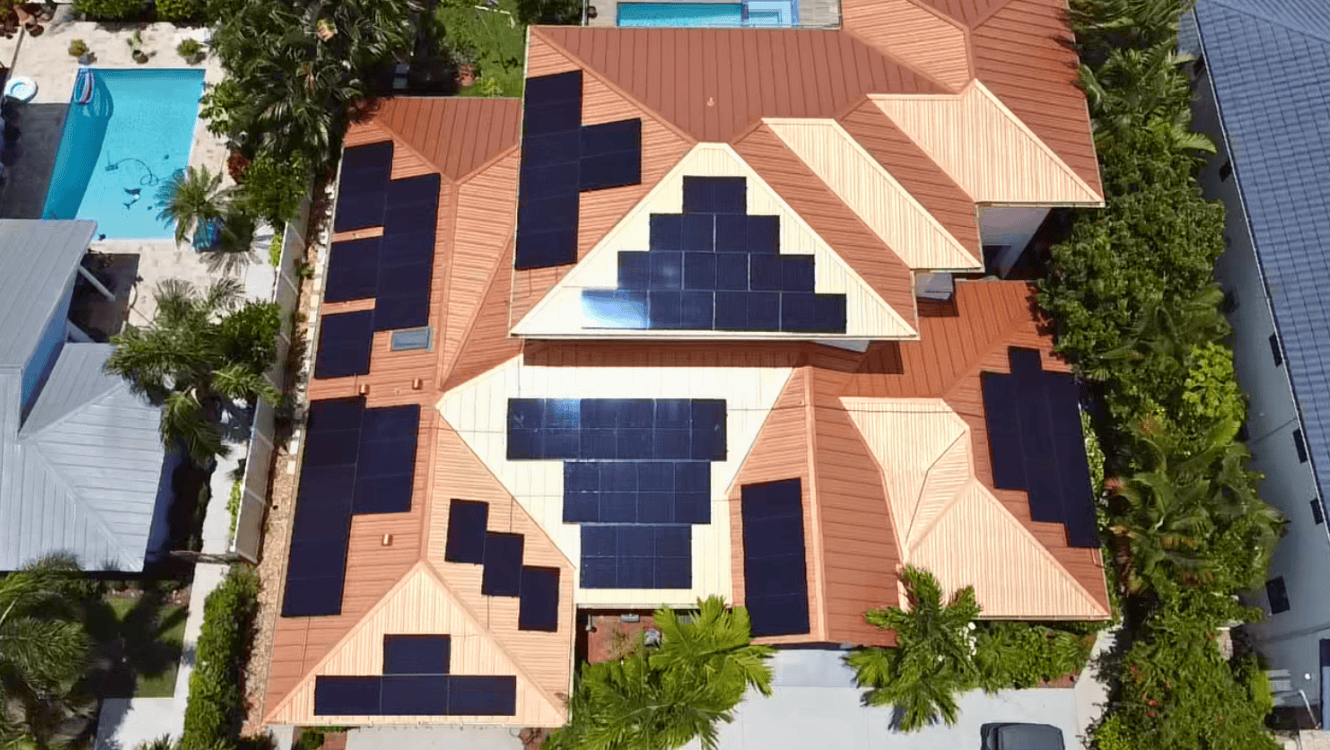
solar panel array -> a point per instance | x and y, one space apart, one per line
416 682
356 460
1036 444
775 568
345 343
397 267
469 541
637 476
714 268
561 159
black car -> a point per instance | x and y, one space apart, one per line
1022 737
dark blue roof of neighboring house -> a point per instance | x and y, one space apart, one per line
1269 61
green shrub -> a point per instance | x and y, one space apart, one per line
181 10
216 704
249 335
275 247
189 49
233 504
111 10
274 188
78 48
1023 654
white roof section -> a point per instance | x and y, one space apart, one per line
39 259
82 475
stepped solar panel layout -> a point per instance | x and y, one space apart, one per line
636 476
396 268
775 569
561 159
469 541
714 268
1035 439
356 460
416 682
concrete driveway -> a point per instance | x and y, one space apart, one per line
816 705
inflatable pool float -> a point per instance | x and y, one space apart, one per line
21 88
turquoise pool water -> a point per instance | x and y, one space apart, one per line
119 143
708 15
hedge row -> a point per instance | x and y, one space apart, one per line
216 705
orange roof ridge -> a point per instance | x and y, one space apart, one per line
455 136
902 28
837 224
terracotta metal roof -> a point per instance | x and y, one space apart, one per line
714 83
456 136
407 587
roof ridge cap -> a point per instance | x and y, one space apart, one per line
77 497
399 140
116 383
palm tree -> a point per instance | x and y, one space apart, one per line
1136 88
191 198
664 696
1177 509
197 362
933 659
43 650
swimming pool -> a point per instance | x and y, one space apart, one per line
127 131
709 15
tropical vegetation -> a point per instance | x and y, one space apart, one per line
43 650
663 696
1137 310
203 358
216 705
942 650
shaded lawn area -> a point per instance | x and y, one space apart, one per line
138 643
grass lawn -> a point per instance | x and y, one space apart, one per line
493 38
143 640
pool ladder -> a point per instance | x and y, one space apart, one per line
83 86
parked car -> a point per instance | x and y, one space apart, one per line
1022 737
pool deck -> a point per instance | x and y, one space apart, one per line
46 60
813 14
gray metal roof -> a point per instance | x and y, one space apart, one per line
83 474
1268 61
37 261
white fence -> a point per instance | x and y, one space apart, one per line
247 537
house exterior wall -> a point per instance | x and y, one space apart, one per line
1289 640
48 349
1011 228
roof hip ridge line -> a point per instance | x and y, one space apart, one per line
585 67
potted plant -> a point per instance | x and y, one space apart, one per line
78 48
191 50
135 43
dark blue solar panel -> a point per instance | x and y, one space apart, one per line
775 569
331 447
392 313
335 414
503 565
313 558
542 249
560 87
313 597
344 345
610 171
538 608
415 695
467 520
360 211
1035 441
403 220
417 654
548 149
548 182
323 505
406 249
353 267
347 696
387 459
552 117
728 265
416 192
612 138
370 159
482 696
